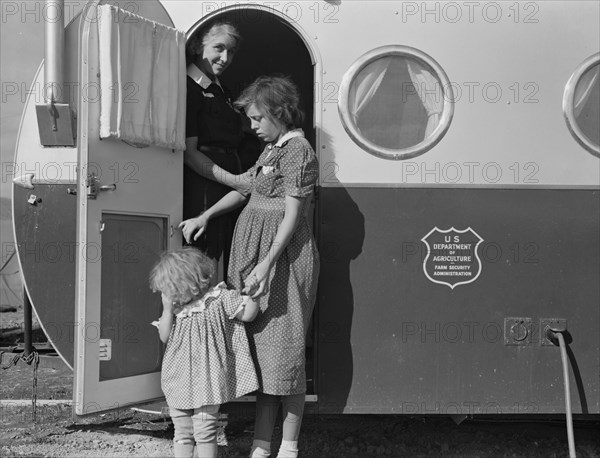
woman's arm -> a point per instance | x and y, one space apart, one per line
195 227
165 323
205 167
256 282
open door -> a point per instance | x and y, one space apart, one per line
129 203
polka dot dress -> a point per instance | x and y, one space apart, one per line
277 335
207 360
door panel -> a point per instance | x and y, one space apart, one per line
130 245
123 228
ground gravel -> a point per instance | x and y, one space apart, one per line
130 433
133 433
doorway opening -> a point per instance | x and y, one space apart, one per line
271 46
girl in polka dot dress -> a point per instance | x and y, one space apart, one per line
274 256
207 360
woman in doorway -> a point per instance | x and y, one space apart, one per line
214 136
274 256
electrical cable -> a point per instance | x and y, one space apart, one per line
557 335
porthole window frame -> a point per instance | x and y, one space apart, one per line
568 105
366 144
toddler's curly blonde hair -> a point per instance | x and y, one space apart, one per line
182 274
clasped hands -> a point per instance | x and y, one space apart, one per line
257 283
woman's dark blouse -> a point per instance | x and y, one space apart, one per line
210 115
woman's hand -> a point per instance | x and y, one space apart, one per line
257 283
243 183
193 228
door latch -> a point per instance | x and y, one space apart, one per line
94 187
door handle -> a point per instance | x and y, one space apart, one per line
95 188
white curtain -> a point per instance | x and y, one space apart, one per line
169 88
430 92
365 86
584 89
142 79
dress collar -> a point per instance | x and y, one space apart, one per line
199 305
288 136
200 77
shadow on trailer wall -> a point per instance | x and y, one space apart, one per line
341 239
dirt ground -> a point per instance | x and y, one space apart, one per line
133 433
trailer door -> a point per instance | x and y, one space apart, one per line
129 204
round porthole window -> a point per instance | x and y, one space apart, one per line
396 102
581 104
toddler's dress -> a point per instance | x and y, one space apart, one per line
207 360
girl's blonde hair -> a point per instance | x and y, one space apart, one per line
182 274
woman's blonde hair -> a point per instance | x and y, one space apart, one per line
196 43
182 274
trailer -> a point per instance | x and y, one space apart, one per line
457 211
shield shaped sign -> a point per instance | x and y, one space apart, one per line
452 257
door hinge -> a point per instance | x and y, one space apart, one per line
105 350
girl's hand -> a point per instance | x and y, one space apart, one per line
167 303
257 283
193 228
169 307
165 323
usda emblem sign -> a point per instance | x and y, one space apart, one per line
452 257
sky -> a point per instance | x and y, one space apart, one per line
21 53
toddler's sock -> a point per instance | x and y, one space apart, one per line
288 449
260 449
183 449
